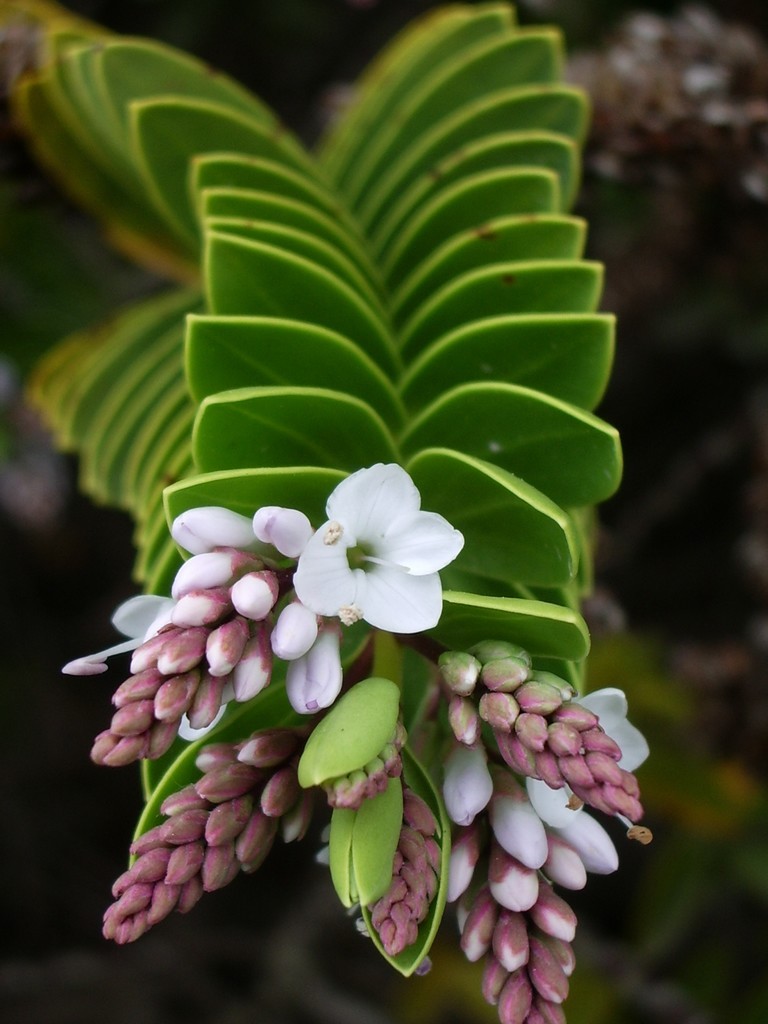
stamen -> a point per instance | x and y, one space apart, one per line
333 532
574 804
640 834
350 614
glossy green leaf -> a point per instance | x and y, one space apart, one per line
546 150
417 779
167 132
246 278
499 240
464 208
566 355
289 427
570 455
511 531
230 352
544 629
547 286
555 108
499 62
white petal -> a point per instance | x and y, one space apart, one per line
134 616
421 544
634 746
519 830
323 579
399 603
295 631
186 732
203 529
368 501
95 664
609 704
551 805
592 843
286 529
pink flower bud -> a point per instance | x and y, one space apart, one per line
464 720
477 930
563 865
175 696
531 730
268 748
515 998
253 671
227 781
203 529
220 866
546 973
513 885
207 703
553 915
538 698
255 841
510 940
460 671
286 529
494 979
227 821
182 651
505 674
295 631
225 646
499 710
201 607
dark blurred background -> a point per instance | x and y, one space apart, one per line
676 193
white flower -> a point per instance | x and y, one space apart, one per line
138 618
610 705
377 557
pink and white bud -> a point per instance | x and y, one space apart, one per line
563 865
225 646
464 720
182 650
295 631
268 748
210 569
499 710
227 821
253 671
515 998
460 671
477 929
546 972
203 529
294 824
592 843
513 885
494 979
201 607
313 681
518 828
175 696
510 940
465 853
553 915
286 529
505 674
207 703
254 594
467 784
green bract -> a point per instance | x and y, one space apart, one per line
354 732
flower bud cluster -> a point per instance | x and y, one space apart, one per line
528 954
415 872
541 732
216 646
224 823
352 790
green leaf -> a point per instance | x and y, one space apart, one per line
463 208
355 731
570 455
511 531
543 286
288 426
418 780
565 355
546 630
229 352
246 278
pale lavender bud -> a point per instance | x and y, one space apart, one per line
220 866
175 696
499 710
546 973
254 595
513 885
89 665
477 930
460 671
553 915
518 828
538 698
143 686
203 529
465 853
592 843
464 720
255 841
505 674
211 569
201 608
286 529
294 632
563 865
467 786
227 781
510 940
280 792
207 701
531 730
227 821
494 979
314 681
225 646
515 998
268 748
182 651
254 670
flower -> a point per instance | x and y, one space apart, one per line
467 785
378 555
557 807
138 618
